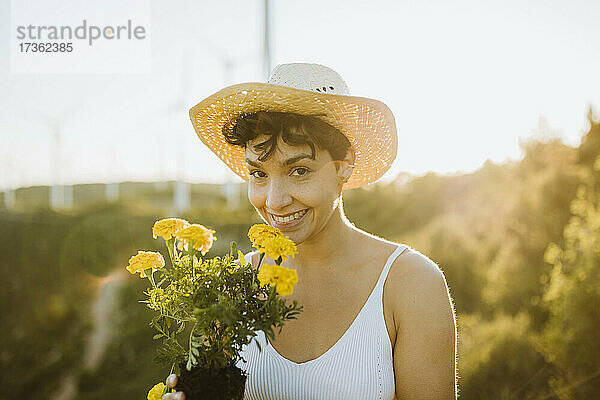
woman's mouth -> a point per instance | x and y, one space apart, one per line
289 221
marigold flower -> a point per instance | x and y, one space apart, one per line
265 274
280 246
202 236
283 278
144 260
260 232
284 288
167 227
156 392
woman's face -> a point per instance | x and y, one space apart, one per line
290 182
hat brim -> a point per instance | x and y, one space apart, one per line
368 124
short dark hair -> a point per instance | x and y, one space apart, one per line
295 129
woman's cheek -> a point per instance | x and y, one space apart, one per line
255 197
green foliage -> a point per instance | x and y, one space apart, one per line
222 302
537 207
497 359
571 338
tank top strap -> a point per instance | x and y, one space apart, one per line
388 265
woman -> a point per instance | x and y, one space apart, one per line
378 321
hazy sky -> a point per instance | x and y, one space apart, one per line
465 80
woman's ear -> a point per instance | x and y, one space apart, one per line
345 168
350 157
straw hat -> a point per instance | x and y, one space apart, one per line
302 88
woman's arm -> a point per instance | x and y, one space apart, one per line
425 347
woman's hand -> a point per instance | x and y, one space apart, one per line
171 383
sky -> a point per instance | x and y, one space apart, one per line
465 80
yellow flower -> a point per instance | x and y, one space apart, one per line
202 236
286 280
144 260
156 392
265 274
283 278
280 246
259 232
167 227
284 288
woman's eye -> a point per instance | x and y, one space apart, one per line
252 173
304 171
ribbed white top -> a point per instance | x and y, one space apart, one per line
358 366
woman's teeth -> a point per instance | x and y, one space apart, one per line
292 217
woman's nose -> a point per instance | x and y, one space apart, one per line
277 196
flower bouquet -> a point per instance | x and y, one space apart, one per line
220 303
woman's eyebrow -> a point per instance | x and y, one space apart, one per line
297 158
250 162
286 162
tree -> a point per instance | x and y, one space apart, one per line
571 338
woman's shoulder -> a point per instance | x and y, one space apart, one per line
412 267
416 282
410 263
382 248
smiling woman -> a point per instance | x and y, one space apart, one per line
378 321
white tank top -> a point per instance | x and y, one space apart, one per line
358 366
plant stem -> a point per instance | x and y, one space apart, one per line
191 254
170 247
150 276
176 319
